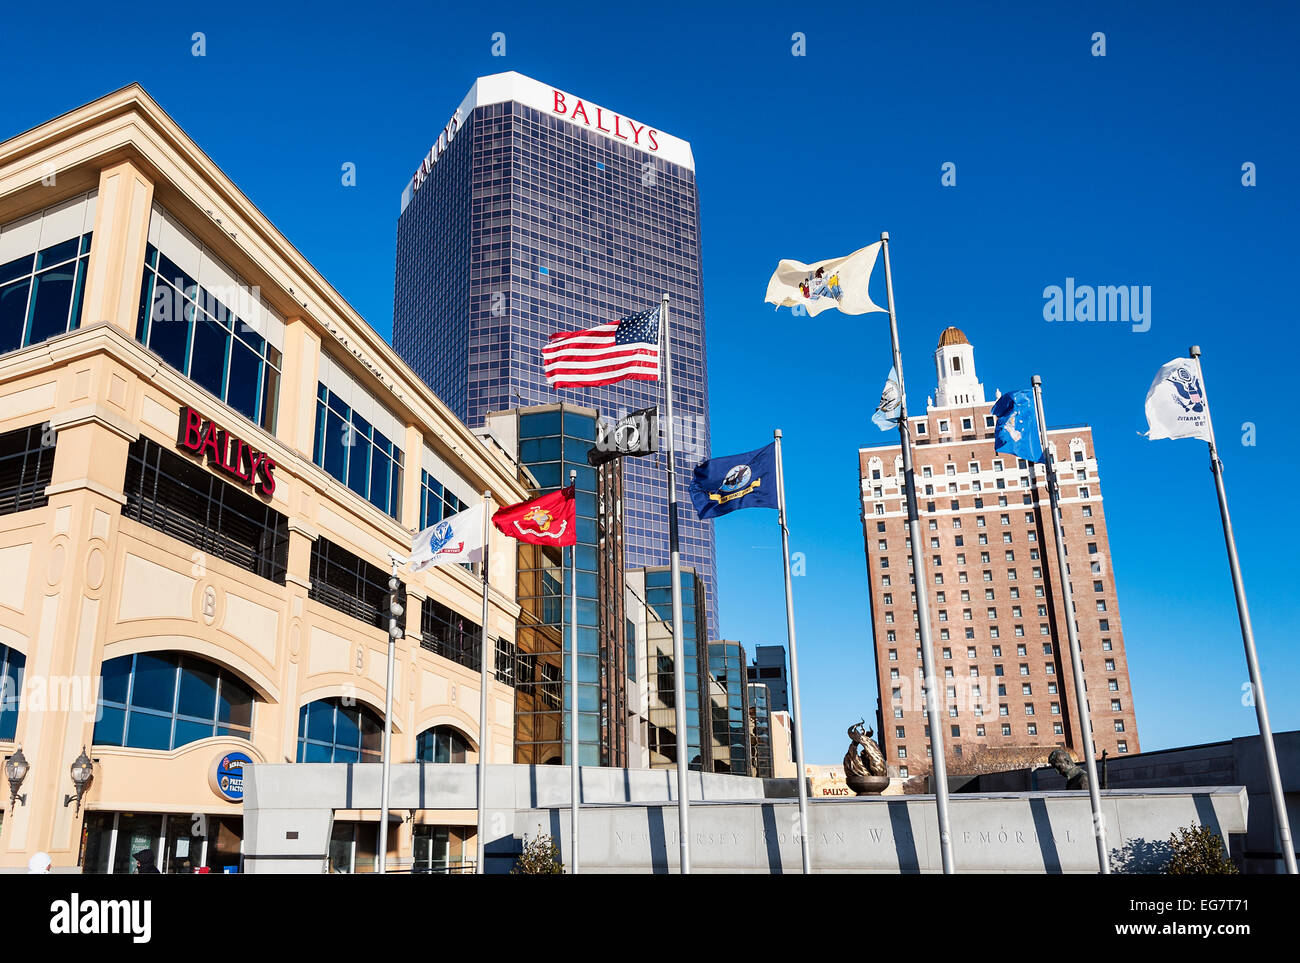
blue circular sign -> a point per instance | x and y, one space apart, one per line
228 776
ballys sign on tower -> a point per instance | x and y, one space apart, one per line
515 88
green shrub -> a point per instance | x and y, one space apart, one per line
1198 851
541 857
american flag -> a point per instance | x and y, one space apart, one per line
604 354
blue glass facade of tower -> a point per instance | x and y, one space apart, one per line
662 708
552 442
525 225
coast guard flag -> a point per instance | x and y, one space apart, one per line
838 282
1017 426
1176 403
455 539
890 409
722 485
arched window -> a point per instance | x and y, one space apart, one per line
164 700
12 664
442 744
329 731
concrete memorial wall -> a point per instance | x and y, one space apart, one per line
738 824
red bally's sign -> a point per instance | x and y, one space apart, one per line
225 452
621 128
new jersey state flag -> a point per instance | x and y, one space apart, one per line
837 282
546 520
722 485
455 539
1017 426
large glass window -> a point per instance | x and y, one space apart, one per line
12 664
354 848
507 662
174 495
351 585
164 700
43 274
436 501
26 464
331 731
356 453
442 744
443 849
449 634
195 332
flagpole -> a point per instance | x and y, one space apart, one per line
797 721
574 788
1076 657
939 770
675 573
1248 640
486 676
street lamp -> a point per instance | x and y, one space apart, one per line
83 771
16 770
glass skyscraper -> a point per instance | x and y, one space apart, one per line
537 212
729 721
550 441
654 587
760 730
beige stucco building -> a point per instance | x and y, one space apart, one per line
148 308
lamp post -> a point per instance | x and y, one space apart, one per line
395 610
16 768
83 771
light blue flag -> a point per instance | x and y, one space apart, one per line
890 409
1017 426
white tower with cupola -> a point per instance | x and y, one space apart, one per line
954 364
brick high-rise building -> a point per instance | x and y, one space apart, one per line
993 584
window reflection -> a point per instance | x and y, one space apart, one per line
164 700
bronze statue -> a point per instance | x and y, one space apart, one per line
864 764
1076 777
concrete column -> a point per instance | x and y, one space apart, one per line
299 375
117 249
71 583
413 452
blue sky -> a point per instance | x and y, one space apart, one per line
1122 169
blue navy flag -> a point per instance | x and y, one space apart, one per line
1017 426
724 484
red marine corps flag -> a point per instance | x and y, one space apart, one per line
546 520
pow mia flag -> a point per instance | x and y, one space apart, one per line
636 434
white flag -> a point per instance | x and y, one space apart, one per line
1176 402
839 282
455 539
889 412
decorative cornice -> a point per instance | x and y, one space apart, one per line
85 484
303 529
95 414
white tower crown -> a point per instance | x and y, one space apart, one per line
954 363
